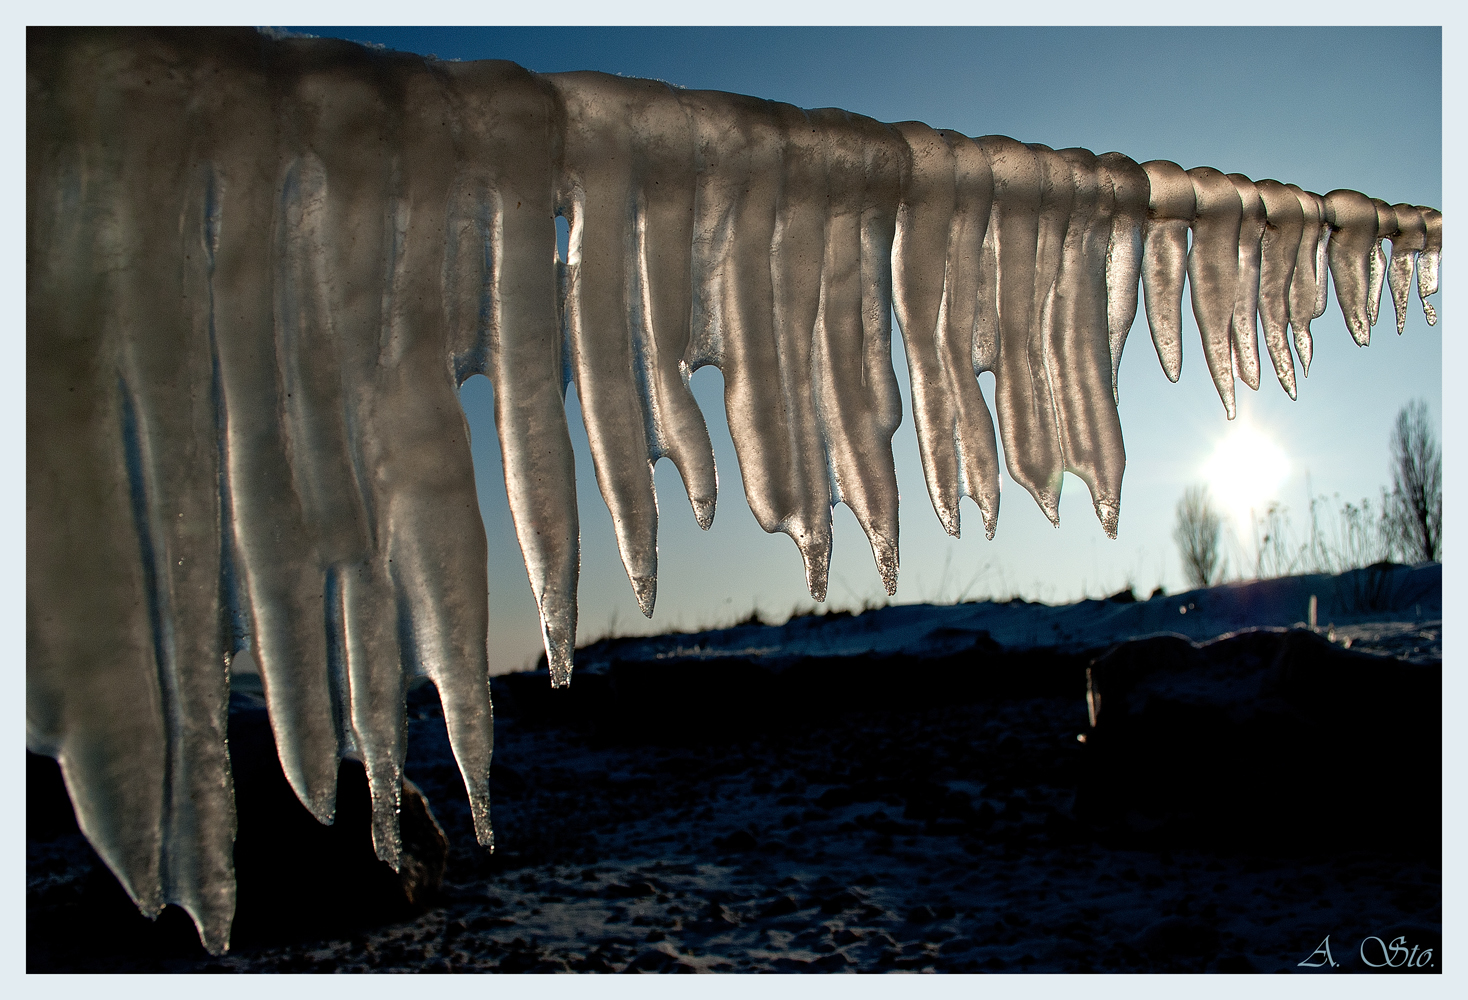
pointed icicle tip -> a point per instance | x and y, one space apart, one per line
322 806
1108 511
948 517
213 929
483 832
703 511
990 513
646 589
816 554
817 587
560 669
1049 505
387 840
558 633
886 555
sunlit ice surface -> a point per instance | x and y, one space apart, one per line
1245 471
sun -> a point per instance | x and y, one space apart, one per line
1245 471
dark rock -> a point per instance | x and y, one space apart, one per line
425 849
296 876
1266 733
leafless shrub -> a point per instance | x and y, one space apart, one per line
1414 508
1198 534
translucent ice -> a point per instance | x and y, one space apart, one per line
1310 280
1409 241
258 270
1427 261
1171 211
1353 247
1279 254
1243 332
1213 273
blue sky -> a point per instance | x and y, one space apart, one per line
1323 108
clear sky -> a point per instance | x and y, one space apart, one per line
1322 108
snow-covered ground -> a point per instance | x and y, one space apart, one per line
867 831
1383 608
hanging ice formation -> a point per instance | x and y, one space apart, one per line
258 269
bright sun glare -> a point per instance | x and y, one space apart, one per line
1245 471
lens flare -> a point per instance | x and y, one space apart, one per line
1246 470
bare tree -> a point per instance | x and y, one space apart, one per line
1198 534
1414 515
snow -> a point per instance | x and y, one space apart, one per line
1414 605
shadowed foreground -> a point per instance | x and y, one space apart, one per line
850 814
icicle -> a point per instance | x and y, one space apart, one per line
1078 348
764 353
857 399
1409 241
1243 332
1386 229
948 332
1171 207
919 275
510 330
126 665
968 335
1213 273
1352 220
1130 191
663 251
1279 253
600 197
1322 258
946 198
1021 388
1307 286
352 233
1427 261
